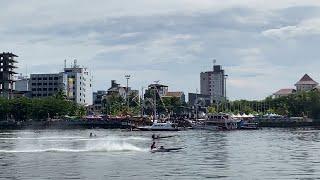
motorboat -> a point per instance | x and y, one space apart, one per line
167 126
161 149
220 121
248 126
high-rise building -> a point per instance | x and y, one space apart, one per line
79 84
213 83
7 67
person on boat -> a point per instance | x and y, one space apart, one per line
91 135
161 147
153 136
153 146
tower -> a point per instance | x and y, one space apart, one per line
7 67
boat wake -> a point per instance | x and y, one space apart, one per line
88 146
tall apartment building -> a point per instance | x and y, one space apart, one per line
213 83
43 85
7 61
79 85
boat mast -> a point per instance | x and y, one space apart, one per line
196 104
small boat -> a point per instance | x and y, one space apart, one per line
248 126
165 149
162 137
167 126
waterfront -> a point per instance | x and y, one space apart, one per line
119 154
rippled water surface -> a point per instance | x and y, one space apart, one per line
117 154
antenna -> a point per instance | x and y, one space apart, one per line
75 63
214 61
65 63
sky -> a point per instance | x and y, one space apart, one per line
262 45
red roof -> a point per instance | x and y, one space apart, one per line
306 80
285 91
174 94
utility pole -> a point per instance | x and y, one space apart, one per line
127 90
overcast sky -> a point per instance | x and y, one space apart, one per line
263 45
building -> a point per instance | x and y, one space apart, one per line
162 89
178 94
202 100
284 92
98 100
22 86
306 83
79 85
44 85
117 89
7 61
213 83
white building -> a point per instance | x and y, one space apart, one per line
213 83
22 83
79 85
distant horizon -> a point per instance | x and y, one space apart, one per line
263 46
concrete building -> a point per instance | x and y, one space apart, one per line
213 83
178 94
199 99
98 100
43 85
306 83
162 89
22 86
117 89
79 85
7 61
284 92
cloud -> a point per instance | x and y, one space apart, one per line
305 28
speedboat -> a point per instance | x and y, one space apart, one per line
161 149
167 126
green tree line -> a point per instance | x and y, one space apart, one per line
23 108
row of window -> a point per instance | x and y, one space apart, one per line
45 78
44 89
42 95
44 84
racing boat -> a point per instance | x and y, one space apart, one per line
162 149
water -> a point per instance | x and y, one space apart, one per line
116 154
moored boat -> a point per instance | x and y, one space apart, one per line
167 126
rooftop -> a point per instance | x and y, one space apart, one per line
306 80
285 91
174 94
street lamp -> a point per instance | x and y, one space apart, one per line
127 90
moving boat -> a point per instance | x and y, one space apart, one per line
161 149
167 126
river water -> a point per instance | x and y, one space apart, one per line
118 154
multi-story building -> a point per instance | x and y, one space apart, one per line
7 67
178 94
79 85
306 83
195 99
43 85
161 89
213 83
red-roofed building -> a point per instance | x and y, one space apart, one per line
283 92
306 83
179 95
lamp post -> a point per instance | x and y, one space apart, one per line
127 90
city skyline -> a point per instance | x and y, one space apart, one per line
262 46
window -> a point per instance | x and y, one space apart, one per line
38 95
39 78
50 89
56 78
34 89
50 78
39 89
45 78
55 89
55 83
34 79
80 99
33 84
50 84
39 84
44 89
45 84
